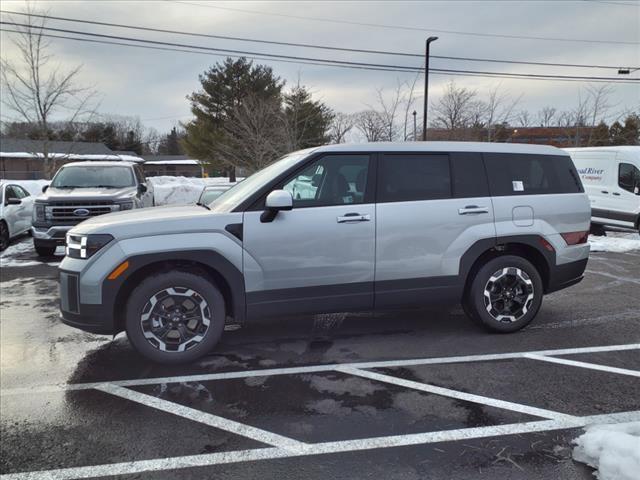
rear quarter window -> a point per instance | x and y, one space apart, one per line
521 174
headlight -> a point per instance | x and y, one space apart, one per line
38 212
84 246
125 205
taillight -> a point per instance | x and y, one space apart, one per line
575 238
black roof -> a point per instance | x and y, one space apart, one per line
15 145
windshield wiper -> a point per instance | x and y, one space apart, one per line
203 205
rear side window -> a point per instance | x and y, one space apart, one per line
468 175
405 178
521 174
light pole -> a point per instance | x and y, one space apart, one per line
414 125
426 87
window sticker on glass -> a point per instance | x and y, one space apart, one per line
518 186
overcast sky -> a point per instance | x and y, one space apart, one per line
153 84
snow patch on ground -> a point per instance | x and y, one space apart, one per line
182 190
613 450
22 254
616 242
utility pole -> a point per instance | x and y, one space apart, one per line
414 126
426 87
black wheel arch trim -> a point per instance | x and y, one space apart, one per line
113 294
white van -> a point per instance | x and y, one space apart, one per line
611 177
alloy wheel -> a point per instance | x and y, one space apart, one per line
508 294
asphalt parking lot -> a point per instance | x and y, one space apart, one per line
407 395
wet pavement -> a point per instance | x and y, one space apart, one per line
338 412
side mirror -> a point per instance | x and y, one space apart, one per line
142 188
276 201
13 201
44 188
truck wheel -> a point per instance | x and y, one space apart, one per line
44 250
505 294
4 236
175 317
597 230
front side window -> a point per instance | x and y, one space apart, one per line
330 180
409 177
628 177
93 177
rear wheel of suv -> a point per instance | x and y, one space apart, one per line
505 294
44 250
175 317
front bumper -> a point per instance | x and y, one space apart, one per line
53 235
90 318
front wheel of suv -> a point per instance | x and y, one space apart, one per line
505 294
175 317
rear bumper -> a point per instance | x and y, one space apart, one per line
566 275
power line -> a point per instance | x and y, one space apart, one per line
404 27
304 45
327 62
624 4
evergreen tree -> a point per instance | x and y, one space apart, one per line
631 130
308 121
224 87
600 136
616 133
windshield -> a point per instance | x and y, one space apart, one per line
93 176
236 194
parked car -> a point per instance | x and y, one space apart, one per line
83 190
391 225
15 212
210 193
611 177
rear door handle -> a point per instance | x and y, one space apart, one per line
353 217
472 210
616 194
604 191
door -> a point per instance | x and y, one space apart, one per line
431 208
18 217
319 256
625 202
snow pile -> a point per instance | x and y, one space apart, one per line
614 450
182 190
617 242
22 254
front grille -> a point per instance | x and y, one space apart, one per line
75 212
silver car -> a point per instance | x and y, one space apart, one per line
16 207
493 227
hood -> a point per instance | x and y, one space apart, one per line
144 222
90 193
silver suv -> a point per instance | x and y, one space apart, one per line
83 190
377 226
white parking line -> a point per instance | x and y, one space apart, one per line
164 464
314 369
237 428
591 366
469 397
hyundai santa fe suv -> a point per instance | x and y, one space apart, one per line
370 227
83 190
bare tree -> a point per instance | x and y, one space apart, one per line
389 112
255 134
340 126
455 109
524 118
35 90
371 125
546 116
499 109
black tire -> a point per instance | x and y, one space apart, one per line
597 230
4 235
44 250
151 292
516 287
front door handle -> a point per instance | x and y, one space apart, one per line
353 217
472 210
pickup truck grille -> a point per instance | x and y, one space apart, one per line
75 212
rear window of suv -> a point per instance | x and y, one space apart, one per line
522 174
